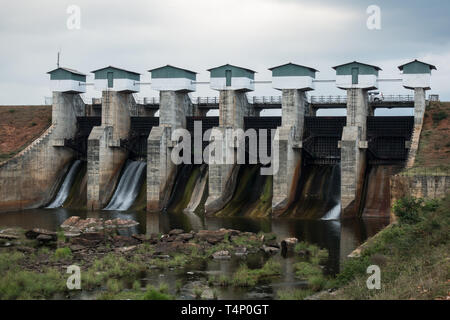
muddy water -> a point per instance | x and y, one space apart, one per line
339 237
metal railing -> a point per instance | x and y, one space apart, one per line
328 99
265 100
205 100
395 98
343 99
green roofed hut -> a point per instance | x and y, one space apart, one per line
67 80
357 75
170 78
416 74
116 79
229 77
293 76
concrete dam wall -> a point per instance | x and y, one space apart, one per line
31 178
327 169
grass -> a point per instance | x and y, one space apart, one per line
150 293
245 277
293 294
221 280
15 284
63 254
413 254
116 275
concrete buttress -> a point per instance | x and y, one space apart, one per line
353 155
105 157
233 107
287 141
161 171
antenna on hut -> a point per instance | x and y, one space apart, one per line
57 59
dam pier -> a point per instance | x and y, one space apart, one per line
346 154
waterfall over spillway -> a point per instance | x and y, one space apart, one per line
65 187
334 213
128 188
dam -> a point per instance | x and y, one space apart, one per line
315 167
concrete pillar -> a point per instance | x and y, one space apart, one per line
105 157
161 171
31 178
419 105
353 155
288 143
233 107
419 113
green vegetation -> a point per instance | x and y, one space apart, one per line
219 280
293 294
63 253
245 277
150 293
20 284
413 256
438 116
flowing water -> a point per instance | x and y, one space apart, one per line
128 187
66 185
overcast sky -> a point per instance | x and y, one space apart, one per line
200 34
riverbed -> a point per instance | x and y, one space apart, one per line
339 237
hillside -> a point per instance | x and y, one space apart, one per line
20 125
434 145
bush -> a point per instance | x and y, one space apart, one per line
305 270
30 285
351 268
438 116
407 209
113 286
154 294
63 253
317 283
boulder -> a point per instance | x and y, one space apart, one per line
184 237
76 247
44 238
125 249
8 236
214 236
36 232
175 232
241 251
221 255
269 250
76 224
288 245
